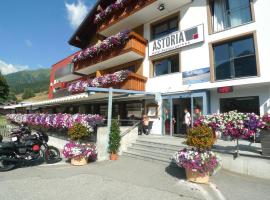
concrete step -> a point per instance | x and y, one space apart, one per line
157 146
150 151
146 156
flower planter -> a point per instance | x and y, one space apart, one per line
196 177
113 156
265 142
79 161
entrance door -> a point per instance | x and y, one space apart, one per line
173 111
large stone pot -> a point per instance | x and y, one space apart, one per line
196 177
79 161
265 142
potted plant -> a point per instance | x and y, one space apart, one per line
78 153
114 140
199 161
265 135
199 164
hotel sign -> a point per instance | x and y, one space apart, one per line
176 40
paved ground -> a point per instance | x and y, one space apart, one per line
124 179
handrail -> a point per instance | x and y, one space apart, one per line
130 129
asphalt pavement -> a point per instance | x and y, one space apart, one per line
125 179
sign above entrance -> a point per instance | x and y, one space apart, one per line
226 89
176 40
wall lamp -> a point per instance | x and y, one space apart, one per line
161 7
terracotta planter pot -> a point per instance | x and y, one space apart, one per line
196 177
114 156
265 142
78 161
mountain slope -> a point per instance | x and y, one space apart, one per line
36 80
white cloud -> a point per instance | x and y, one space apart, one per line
28 43
76 13
6 68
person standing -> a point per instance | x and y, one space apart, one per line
187 120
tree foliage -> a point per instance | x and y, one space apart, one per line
4 88
28 93
114 138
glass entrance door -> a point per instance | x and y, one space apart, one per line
174 115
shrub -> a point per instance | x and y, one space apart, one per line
77 131
201 137
114 138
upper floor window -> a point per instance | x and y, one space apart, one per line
230 13
166 65
235 59
165 28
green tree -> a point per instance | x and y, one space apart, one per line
12 96
4 88
114 138
28 93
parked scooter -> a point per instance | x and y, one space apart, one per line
25 149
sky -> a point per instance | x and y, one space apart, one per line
35 33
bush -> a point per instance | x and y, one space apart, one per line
77 131
201 137
114 138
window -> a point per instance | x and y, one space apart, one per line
165 28
230 13
166 65
235 59
241 104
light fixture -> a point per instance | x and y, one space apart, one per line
161 7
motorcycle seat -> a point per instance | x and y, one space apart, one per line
7 145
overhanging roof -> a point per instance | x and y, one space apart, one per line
93 95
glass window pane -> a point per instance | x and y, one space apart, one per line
245 66
239 12
166 116
173 24
222 62
243 47
174 64
161 67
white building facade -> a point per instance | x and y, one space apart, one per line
227 70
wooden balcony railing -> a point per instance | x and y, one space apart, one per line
133 82
120 15
136 43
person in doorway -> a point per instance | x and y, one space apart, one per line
144 125
187 120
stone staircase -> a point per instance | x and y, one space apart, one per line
155 148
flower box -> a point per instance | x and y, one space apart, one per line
196 177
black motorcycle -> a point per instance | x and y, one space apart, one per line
27 149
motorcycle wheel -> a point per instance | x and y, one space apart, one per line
52 155
5 165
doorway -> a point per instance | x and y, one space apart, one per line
173 111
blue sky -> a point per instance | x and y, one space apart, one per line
35 33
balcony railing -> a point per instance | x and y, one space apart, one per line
124 13
132 82
134 49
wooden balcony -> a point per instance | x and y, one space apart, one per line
133 50
136 14
128 11
133 82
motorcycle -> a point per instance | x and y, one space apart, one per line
27 149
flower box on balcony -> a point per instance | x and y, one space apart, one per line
118 14
135 43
